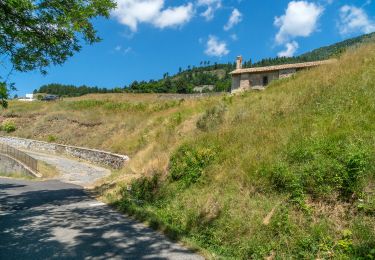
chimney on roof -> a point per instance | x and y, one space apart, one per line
239 63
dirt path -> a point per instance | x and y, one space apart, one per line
72 171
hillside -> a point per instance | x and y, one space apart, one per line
286 173
215 75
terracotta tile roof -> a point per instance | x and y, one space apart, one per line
282 67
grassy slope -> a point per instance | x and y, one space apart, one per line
297 146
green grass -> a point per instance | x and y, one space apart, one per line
18 175
287 172
306 144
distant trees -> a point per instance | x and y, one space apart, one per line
216 75
73 91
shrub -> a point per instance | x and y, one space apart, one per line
188 163
51 138
144 188
322 169
8 126
211 118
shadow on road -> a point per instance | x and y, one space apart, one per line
40 220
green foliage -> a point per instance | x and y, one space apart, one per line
144 189
8 126
73 91
51 138
4 94
212 118
36 34
188 163
322 169
345 244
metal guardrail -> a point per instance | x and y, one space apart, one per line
29 161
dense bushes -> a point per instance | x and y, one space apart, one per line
8 126
322 169
188 163
143 189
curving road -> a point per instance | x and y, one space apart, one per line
72 171
56 220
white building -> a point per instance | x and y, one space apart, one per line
27 98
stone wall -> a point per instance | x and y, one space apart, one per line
247 81
189 96
256 79
9 166
112 160
235 83
287 73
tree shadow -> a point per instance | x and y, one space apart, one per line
53 220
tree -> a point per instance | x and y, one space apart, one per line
35 34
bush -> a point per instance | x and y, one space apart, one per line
211 118
144 188
188 163
322 169
51 138
8 126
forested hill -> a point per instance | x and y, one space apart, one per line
209 77
322 53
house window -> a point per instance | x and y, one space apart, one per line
265 80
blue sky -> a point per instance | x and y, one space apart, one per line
145 38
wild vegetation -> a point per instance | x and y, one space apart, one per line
286 173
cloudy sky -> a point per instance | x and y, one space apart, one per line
145 38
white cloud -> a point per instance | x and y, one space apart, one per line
354 19
133 12
174 16
214 47
234 37
300 19
211 7
291 48
123 50
234 19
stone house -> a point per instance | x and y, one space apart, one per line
259 77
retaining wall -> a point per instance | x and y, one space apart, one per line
9 166
190 96
112 160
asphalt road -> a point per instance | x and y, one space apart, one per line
55 220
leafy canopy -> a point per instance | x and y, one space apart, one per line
35 34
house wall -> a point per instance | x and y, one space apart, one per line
287 73
256 79
247 81
235 83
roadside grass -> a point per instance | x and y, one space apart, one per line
306 144
48 171
17 175
286 173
